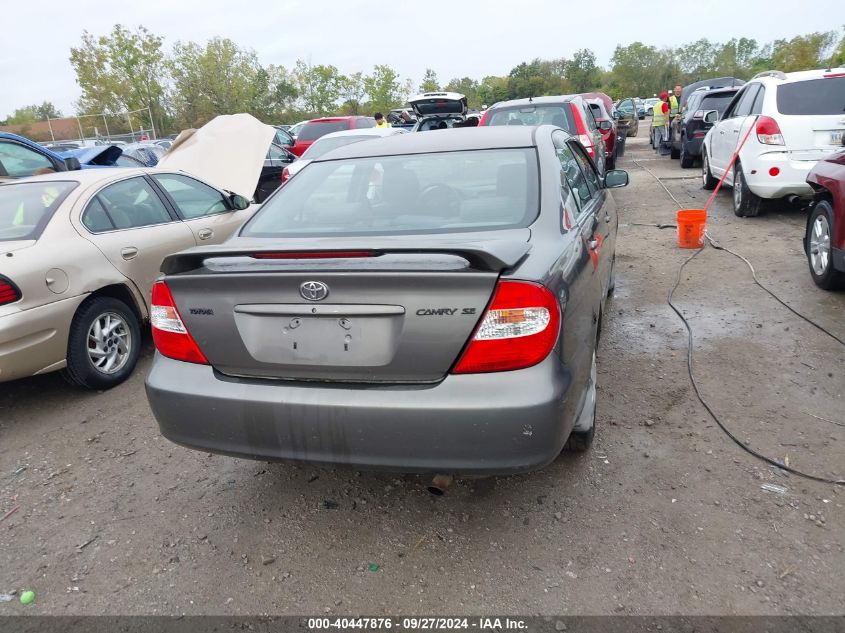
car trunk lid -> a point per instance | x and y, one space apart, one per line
439 103
374 311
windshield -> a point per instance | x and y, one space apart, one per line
423 193
26 207
325 145
557 115
814 97
314 130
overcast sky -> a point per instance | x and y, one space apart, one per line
456 39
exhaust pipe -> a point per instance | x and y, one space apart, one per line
440 484
792 198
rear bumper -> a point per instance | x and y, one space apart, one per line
34 341
792 178
483 423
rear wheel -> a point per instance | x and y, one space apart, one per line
746 204
818 247
103 344
675 152
707 180
582 434
687 161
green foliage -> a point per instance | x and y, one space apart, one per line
583 73
32 113
124 70
429 81
130 70
384 90
466 86
319 87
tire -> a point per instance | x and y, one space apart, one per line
707 181
580 440
817 246
611 283
120 345
674 153
746 204
687 161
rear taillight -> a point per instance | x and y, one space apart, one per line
285 175
170 335
9 292
483 119
768 131
581 130
518 330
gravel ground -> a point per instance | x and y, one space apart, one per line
664 516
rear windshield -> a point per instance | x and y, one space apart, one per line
325 145
313 131
397 195
718 101
26 207
813 97
559 115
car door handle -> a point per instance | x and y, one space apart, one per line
593 244
204 234
607 218
128 252
736 131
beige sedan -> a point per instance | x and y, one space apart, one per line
79 252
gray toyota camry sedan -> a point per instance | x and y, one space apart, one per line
423 303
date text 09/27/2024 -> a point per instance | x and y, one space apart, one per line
417 624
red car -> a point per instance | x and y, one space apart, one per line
607 127
316 128
824 240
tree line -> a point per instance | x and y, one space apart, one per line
190 83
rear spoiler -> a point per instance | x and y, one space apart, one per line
488 255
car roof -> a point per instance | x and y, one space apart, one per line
336 118
88 176
534 101
774 76
364 131
462 139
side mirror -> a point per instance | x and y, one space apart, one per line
711 116
239 203
616 178
605 125
72 163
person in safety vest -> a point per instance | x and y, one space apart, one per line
660 121
380 122
674 107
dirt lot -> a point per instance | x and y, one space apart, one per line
664 516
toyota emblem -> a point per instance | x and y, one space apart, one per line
314 290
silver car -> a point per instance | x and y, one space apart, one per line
329 142
423 303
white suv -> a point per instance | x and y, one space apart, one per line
799 119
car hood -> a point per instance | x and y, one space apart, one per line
102 155
227 152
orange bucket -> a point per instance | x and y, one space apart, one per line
691 227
